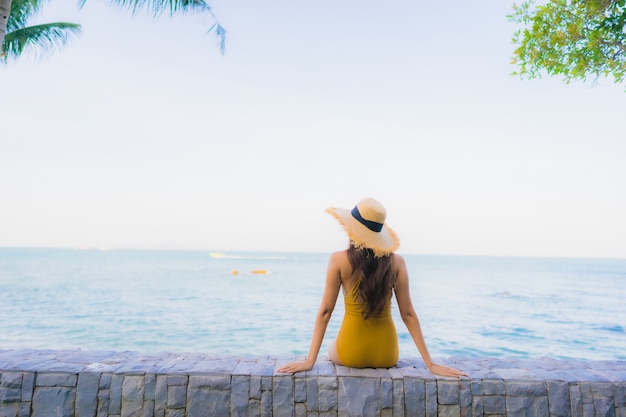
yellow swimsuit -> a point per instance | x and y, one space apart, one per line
371 343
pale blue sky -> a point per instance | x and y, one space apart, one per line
139 134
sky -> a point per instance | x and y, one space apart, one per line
139 133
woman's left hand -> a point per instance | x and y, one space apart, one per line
294 367
445 371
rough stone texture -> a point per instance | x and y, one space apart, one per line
87 394
359 397
130 384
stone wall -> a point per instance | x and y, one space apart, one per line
129 384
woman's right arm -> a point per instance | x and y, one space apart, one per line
329 299
410 319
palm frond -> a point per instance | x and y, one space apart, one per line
158 7
21 12
41 39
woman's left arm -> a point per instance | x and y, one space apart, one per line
331 292
410 319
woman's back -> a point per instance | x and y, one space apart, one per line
364 341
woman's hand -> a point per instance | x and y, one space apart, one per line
294 367
445 371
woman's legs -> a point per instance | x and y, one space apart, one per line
332 352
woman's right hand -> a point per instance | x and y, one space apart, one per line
294 367
445 371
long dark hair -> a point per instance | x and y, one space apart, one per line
375 278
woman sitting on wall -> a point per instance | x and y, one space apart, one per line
369 272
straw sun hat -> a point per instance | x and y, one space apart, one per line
366 228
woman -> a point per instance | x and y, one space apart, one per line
369 273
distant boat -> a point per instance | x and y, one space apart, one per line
259 271
217 255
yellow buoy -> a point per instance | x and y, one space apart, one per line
234 272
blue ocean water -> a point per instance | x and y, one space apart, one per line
192 301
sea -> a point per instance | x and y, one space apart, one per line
264 303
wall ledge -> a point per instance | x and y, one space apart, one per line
67 383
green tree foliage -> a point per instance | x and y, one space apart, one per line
575 39
39 38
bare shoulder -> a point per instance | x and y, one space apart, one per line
397 262
340 263
339 258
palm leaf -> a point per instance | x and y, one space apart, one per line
43 38
157 7
21 11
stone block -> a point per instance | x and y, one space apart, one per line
326 369
9 410
266 404
431 398
585 392
87 389
25 408
300 410
448 392
602 389
210 381
176 396
11 379
620 394
53 402
359 397
398 398
327 383
10 395
494 387
239 395
283 403
205 402
148 408
558 398
603 406
414 397
115 394
588 410
103 403
299 395
576 401
133 391
255 387
56 380
105 381
465 393
527 407
28 386
476 387
177 380
449 410
494 404
328 400
254 408
477 406
312 403
150 385
160 393
525 389
266 383
386 393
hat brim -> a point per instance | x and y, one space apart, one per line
381 243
